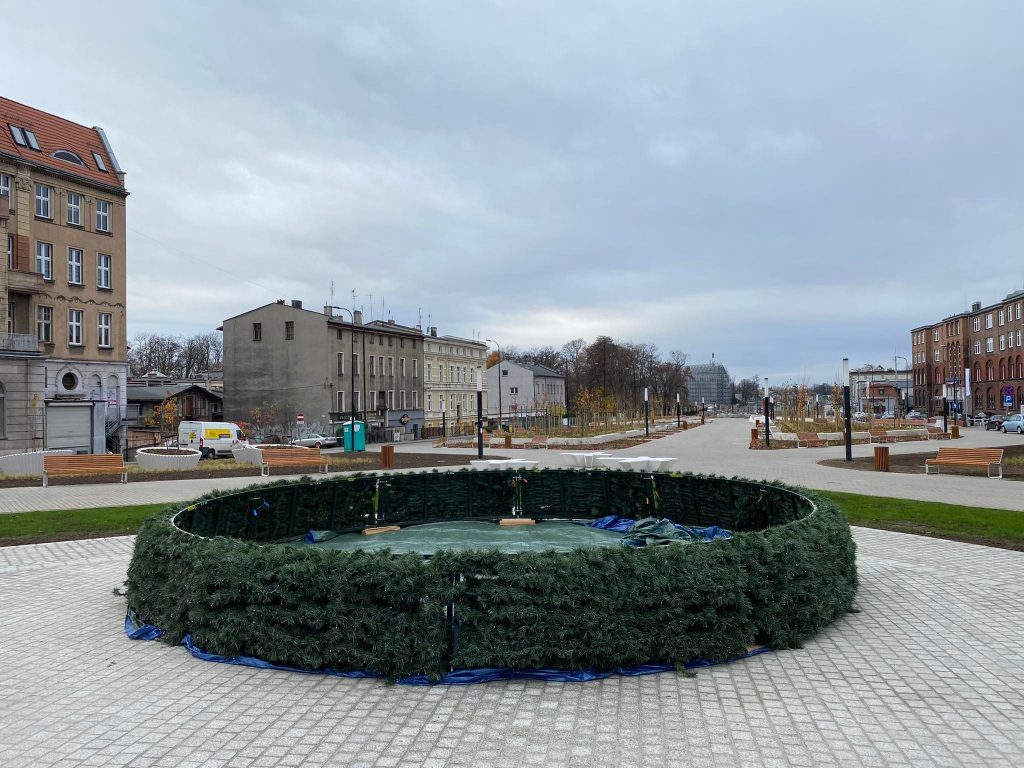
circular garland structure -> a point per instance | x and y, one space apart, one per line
221 570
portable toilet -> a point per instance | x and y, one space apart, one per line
357 441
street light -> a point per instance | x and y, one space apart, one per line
767 426
647 415
352 376
492 341
906 362
846 408
677 412
480 412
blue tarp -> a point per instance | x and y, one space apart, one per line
683 532
456 677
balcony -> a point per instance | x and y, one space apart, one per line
19 342
25 282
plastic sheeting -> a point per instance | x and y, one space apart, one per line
650 530
456 677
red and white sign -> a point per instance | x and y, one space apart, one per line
300 418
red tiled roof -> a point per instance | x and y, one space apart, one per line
54 133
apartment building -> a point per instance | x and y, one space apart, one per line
976 357
322 366
449 380
63 369
710 384
525 389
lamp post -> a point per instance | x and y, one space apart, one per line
480 412
492 341
846 408
678 415
352 376
767 426
647 415
907 388
444 414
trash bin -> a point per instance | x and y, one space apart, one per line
356 442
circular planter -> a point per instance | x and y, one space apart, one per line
167 459
222 570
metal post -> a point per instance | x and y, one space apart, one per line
767 425
352 374
480 413
647 415
444 417
678 416
945 414
846 408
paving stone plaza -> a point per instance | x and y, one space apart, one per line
930 671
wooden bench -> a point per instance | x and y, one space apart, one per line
540 441
806 438
440 442
496 441
291 457
84 464
881 436
968 457
935 433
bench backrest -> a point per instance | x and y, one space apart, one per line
83 462
878 432
990 455
290 454
807 435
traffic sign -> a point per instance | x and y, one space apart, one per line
300 418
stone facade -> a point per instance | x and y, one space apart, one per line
449 380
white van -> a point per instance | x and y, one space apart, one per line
212 438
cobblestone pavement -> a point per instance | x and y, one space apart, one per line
718 447
929 672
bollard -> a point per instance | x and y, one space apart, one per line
686 425
508 440
754 438
702 418
954 432
881 458
387 457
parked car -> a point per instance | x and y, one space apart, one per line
981 417
916 415
887 415
1014 423
995 421
860 416
315 440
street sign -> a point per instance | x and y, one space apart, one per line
1008 401
300 418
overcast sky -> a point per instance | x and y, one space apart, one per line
779 183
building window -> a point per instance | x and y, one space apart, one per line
289 330
44 324
515 390
401 397
341 401
103 330
341 368
43 195
988 320
1002 317
401 342
989 344
74 209
429 371
5 186
391 365
373 367
430 401
977 323
401 368
977 349
10 251
75 266
355 364
391 395
44 260
11 311
1018 310
1002 342
75 327
415 368
102 270
357 399
102 216
936 360
257 331
415 398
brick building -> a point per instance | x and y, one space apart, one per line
978 356
63 368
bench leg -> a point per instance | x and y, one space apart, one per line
124 477
264 470
44 480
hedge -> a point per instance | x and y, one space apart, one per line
218 569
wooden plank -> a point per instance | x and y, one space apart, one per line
515 521
380 529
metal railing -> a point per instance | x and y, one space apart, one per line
19 342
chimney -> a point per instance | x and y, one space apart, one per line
433 331
280 301
328 311
358 315
976 306
296 304
391 321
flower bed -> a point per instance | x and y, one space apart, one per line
167 459
217 570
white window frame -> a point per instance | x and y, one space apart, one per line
401 399
977 324
44 201
977 348
988 321
103 329
415 368
429 371
1002 317
373 367
10 251
74 209
102 215
415 398
340 401
5 188
401 368
990 344
76 319
430 402
44 323
391 398
1002 342
358 402
76 266
44 259
391 366
103 271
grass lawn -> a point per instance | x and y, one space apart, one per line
62 524
975 525
991 527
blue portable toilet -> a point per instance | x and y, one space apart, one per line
356 442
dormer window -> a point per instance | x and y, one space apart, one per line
68 156
32 140
99 161
23 137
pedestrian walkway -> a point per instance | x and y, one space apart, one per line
929 672
719 447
